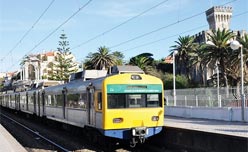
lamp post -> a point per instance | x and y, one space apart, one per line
174 78
218 83
235 45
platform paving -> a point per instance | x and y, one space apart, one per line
8 143
238 129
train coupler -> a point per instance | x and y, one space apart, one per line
142 139
133 142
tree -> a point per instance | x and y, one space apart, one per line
64 64
102 59
195 61
119 56
218 51
87 65
181 81
185 47
234 68
143 61
51 73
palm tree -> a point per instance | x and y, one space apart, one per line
102 59
195 59
143 61
119 56
244 42
218 51
185 46
235 69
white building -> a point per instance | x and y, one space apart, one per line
40 66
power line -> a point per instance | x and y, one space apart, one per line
158 40
155 41
50 34
117 26
163 27
240 14
29 30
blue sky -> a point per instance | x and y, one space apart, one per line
17 17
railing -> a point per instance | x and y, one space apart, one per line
206 97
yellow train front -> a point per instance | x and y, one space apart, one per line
132 107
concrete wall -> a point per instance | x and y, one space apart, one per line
184 140
226 113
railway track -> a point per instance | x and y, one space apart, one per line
37 135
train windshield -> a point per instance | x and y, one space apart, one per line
130 100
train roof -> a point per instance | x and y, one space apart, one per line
75 86
126 69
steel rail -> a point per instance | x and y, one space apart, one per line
37 133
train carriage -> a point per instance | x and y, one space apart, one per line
23 102
127 106
66 103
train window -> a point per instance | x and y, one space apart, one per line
31 99
136 100
49 100
99 101
53 100
153 100
17 98
76 101
12 100
23 99
82 101
122 100
116 101
59 100
6 99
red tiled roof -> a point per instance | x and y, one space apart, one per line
168 59
49 54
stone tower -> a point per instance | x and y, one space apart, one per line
219 17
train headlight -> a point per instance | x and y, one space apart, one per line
155 118
140 131
117 120
136 77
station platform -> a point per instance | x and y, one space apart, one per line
8 143
237 129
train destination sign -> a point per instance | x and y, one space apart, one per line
123 88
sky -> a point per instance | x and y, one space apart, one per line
128 26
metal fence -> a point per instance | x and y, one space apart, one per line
206 97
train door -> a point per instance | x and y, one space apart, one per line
6 99
27 101
34 100
64 94
90 106
43 103
38 103
17 100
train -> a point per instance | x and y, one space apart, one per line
126 105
